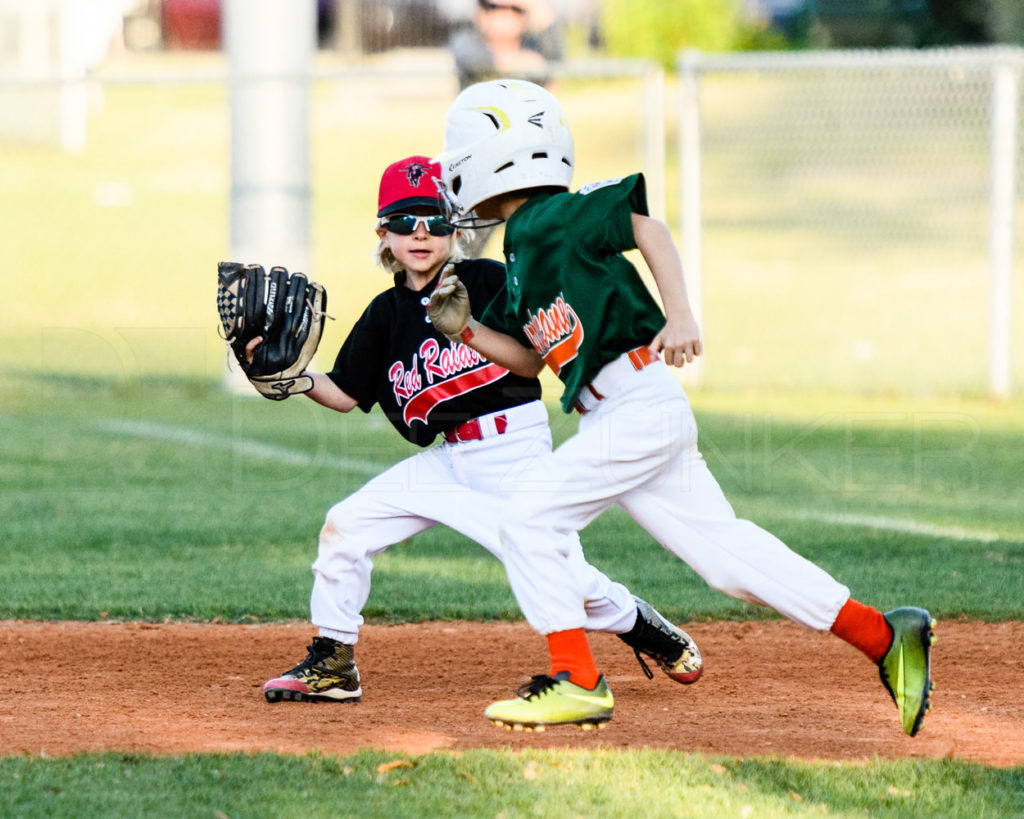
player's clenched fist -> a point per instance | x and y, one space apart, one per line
679 340
449 309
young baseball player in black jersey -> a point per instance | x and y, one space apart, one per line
492 427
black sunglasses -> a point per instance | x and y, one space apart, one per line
405 224
488 6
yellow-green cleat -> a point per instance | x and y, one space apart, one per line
554 701
906 667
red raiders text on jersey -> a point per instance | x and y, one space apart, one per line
423 382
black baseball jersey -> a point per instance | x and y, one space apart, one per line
423 382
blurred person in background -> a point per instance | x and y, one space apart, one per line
508 38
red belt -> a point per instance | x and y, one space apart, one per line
471 431
639 357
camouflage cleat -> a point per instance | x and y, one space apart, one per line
328 674
554 701
906 667
669 646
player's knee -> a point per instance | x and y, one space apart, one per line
734 586
518 541
506 542
338 524
722 580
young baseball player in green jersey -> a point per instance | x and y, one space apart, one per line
572 301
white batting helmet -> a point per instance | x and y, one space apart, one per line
502 136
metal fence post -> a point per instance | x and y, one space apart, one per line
270 46
1006 75
690 195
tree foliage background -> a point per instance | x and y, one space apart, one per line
659 30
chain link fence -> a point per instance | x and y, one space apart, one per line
848 218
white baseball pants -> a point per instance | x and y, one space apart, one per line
467 487
638 447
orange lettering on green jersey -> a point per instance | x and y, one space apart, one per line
556 333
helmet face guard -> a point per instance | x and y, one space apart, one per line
502 136
449 207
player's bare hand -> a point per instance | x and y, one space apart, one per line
449 310
679 340
250 348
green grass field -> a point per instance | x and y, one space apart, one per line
130 479
149 485
141 496
493 784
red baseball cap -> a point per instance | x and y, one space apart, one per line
408 183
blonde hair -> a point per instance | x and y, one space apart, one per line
386 259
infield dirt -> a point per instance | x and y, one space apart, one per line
769 688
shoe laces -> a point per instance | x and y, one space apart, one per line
646 669
320 650
660 642
537 685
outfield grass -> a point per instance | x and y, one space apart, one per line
154 486
488 783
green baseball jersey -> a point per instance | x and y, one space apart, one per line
569 292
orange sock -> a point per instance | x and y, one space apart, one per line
863 627
570 652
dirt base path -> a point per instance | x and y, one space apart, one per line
768 689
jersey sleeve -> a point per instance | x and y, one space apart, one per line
599 217
360 360
489 300
499 316
488 276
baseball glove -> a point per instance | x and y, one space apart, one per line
287 310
